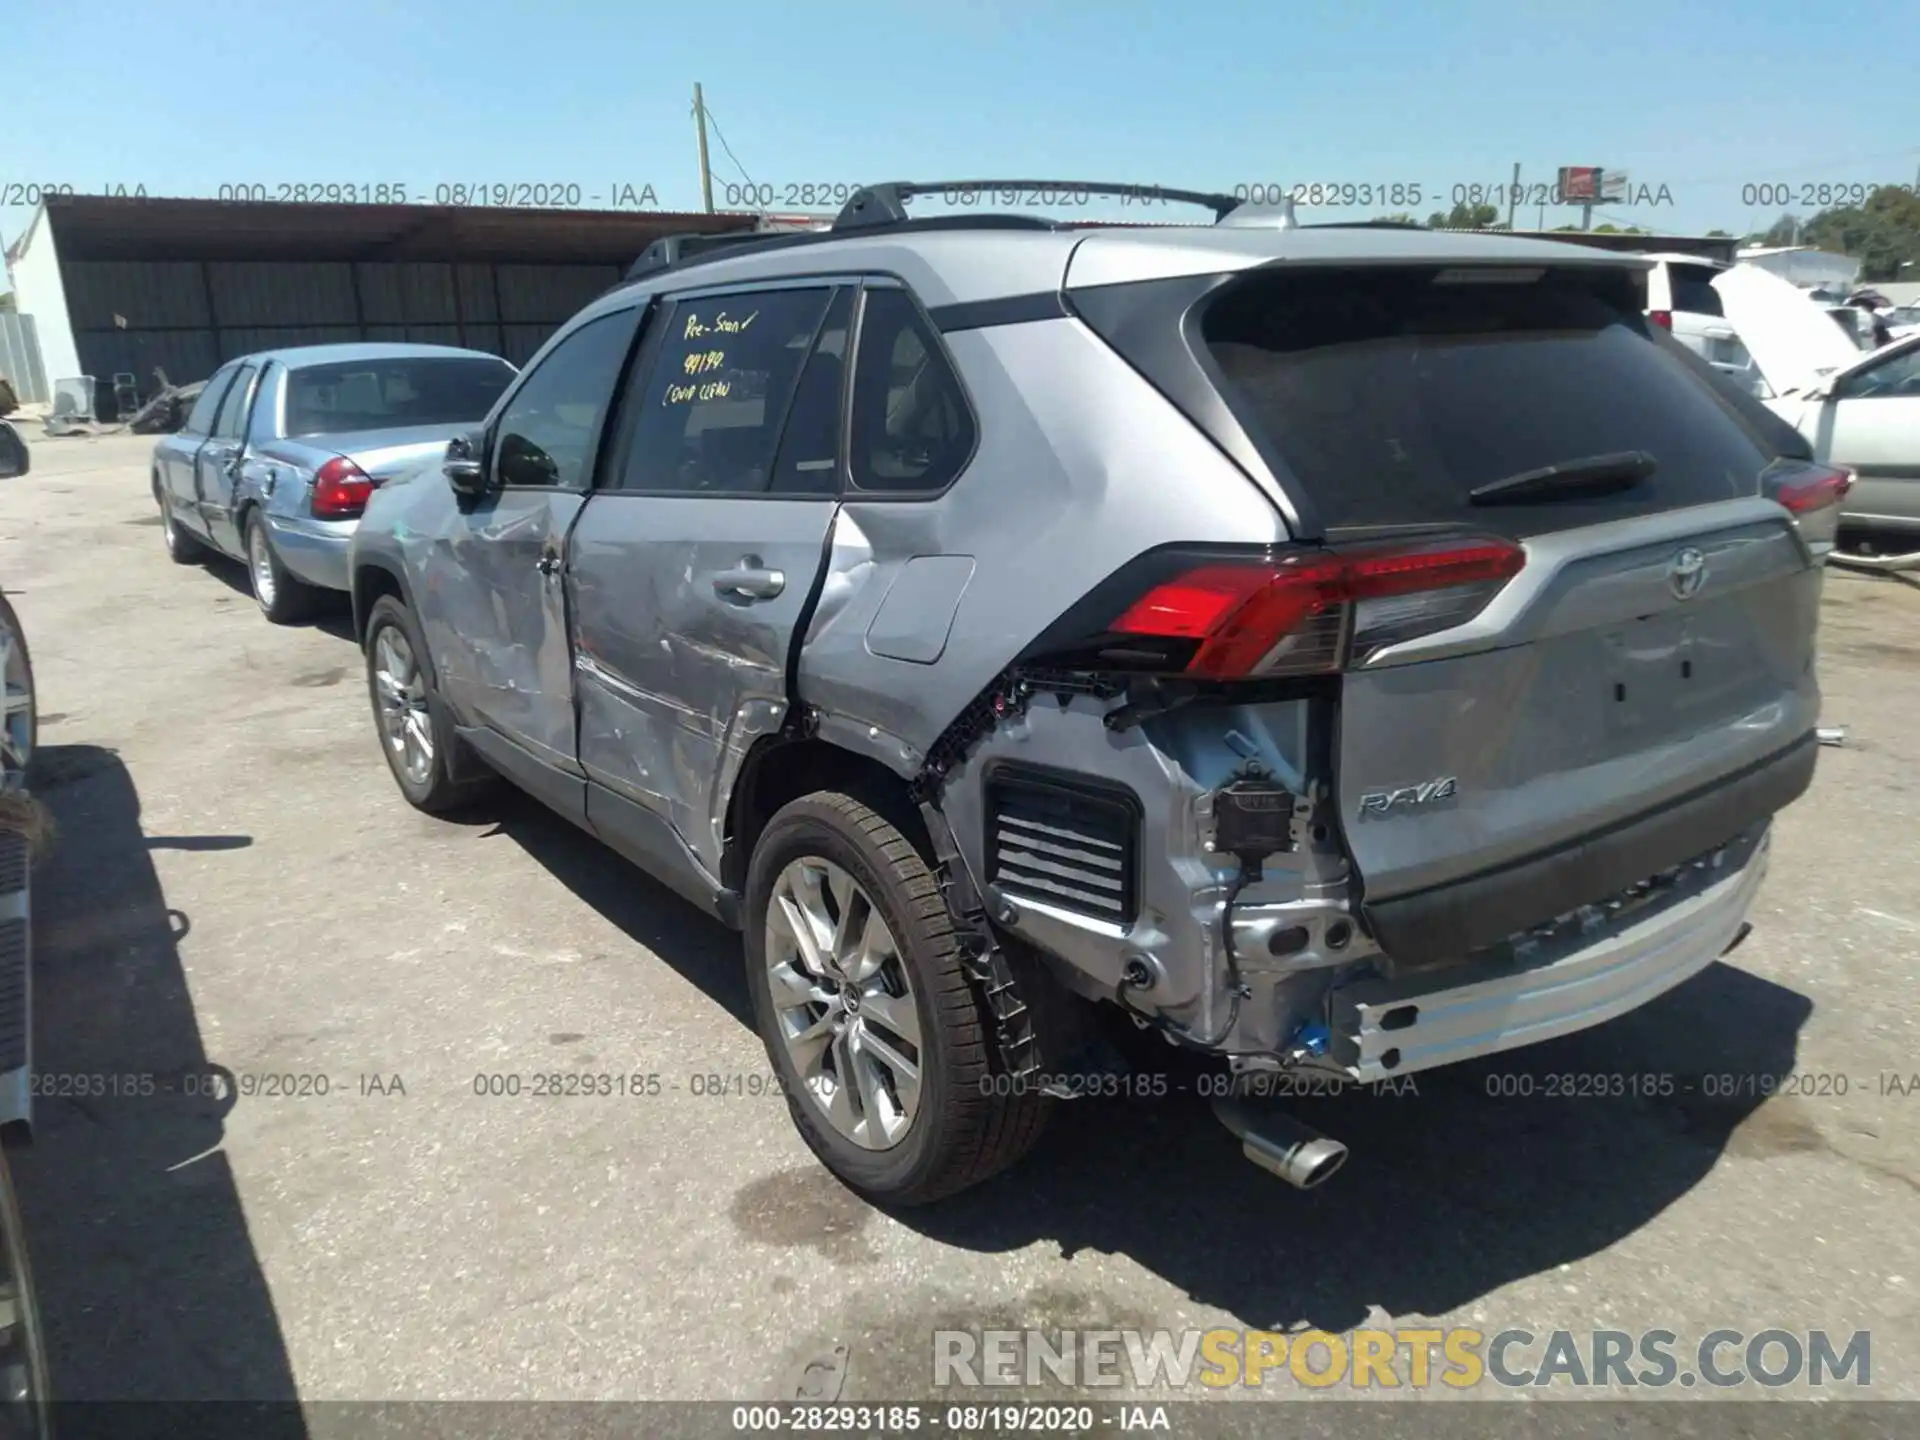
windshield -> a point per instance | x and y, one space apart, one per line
392 394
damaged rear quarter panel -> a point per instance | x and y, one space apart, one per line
1081 466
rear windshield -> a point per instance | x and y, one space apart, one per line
1692 287
1391 394
389 394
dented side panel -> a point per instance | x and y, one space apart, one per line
1095 466
679 671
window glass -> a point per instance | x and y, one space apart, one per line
550 428
386 394
912 430
233 410
1390 395
207 404
1693 290
712 407
809 460
1898 378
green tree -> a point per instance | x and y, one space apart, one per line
1719 235
1398 218
1465 217
1784 231
1882 233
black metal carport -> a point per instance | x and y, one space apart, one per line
182 285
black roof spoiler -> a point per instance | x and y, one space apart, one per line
885 204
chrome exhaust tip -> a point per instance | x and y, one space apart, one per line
1281 1145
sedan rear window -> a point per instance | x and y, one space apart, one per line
1390 394
389 394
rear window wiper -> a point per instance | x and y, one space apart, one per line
1595 475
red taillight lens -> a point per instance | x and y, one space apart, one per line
1662 318
1312 613
1813 488
340 490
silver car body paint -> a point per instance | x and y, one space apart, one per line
639 680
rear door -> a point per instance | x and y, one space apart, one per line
694 565
217 466
1659 638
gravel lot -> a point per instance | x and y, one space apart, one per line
237 884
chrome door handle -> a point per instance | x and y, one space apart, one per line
548 564
750 581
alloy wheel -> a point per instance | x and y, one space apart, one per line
405 725
260 564
844 1003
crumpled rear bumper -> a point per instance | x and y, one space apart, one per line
1558 983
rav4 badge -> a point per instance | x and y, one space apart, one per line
1408 797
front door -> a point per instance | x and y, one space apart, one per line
177 456
1872 425
218 463
496 606
694 566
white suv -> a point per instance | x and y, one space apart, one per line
1681 299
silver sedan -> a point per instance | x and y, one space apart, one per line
277 459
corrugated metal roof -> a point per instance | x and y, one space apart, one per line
97 227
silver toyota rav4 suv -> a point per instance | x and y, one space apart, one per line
1347 647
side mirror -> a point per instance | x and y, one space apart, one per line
464 472
13 453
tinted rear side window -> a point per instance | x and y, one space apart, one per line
1692 287
1389 395
389 394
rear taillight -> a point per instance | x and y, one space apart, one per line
1811 487
1305 613
1662 318
340 490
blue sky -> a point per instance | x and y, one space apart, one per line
1704 99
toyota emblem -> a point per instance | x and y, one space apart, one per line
1686 573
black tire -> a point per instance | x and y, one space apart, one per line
962 1133
183 547
440 792
290 600
9 778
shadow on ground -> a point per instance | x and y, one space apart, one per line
1455 1187
149 1286
650 914
333 615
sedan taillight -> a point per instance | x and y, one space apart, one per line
340 490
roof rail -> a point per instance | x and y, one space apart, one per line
670 249
885 204
674 252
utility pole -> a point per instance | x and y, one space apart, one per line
706 171
1513 194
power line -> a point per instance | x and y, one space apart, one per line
721 136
